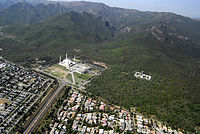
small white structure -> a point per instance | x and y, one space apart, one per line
2 106
74 66
142 76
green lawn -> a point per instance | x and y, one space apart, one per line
83 76
61 67
79 77
59 75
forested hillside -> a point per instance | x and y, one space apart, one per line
57 35
173 93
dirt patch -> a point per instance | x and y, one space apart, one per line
58 72
3 101
56 69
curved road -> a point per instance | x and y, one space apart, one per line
44 109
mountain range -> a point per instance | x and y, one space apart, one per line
164 45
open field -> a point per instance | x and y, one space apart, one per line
60 67
3 101
83 76
77 79
58 71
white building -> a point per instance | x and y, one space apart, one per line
142 76
73 66
66 62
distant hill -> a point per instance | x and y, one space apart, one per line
119 17
6 3
20 13
49 10
173 36
35 2
62 32
196 18
25 13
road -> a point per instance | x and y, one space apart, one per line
44 109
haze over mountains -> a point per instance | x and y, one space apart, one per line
165 45
115 15
119 21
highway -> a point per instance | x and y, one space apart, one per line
44 109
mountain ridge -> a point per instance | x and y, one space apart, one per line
118 17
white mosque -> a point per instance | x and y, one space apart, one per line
74 66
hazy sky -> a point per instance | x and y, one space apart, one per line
184 7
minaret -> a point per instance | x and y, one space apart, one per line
74 58
66 55
60 59
68 63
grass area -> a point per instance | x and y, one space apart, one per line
77 79
58 71
69 77
59 75
78 60
61 67
83 76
